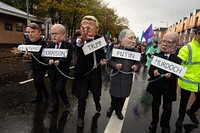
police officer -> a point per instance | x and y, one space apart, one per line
190 82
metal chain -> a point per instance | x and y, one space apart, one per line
111 74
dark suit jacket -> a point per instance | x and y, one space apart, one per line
84 65
64 63
165 86
35 64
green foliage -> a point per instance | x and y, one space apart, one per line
70 13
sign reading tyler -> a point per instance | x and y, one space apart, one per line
168 66
30 48
94 45
126 54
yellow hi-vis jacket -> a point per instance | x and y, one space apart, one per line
190 55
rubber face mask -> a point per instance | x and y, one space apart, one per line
129 40
89 26
168 44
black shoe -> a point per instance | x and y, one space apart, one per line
67 105
165 130
52 109
179 122
80 122
120 116
98 106
109 112
94 122
192 117
152 128
36 100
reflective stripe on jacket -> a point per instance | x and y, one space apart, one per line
190 55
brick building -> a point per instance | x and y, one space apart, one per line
184 28
12 25
186 25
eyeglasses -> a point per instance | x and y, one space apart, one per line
55 34
169 43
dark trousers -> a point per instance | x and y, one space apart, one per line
185 95
58 89
38 77
90 82
117 103
166 113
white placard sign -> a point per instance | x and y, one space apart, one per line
94 45
30 48
126 54
168 66
52 52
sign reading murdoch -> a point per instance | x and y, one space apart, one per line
169 66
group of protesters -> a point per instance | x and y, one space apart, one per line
87 72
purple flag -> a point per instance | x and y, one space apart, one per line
148 33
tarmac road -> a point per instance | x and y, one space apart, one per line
17 115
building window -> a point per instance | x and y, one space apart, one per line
190 39
180 39
185 39
8 26
19 27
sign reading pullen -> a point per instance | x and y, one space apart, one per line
126 54
51 52
94 45
30 48
169 66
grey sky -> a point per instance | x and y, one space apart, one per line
141 13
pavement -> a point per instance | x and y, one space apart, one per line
17 115
5 53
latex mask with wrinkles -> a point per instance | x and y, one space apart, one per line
89 26
169 43
127 38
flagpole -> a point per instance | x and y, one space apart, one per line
27 10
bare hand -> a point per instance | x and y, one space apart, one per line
156 73
56 62
134 67
27 54
15 51
103 62
118 66
167 75
84 34
51 62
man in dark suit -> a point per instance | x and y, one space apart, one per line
165 86
87 71
58 79
39 70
